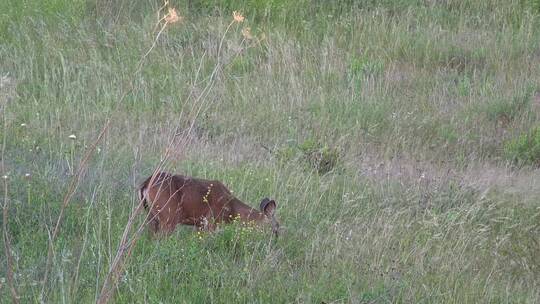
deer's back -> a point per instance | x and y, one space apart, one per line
183 199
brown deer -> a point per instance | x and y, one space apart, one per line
175 199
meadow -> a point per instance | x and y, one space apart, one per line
399 138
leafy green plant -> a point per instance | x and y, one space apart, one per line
362 67
320 157
532 5
506 111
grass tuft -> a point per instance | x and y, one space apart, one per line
384 131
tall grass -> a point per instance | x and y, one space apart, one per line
414 105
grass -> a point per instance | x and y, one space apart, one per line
417 109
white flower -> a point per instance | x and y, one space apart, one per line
23 125
72 136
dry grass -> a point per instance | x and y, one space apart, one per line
417 101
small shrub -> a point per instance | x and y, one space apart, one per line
525 149
320 157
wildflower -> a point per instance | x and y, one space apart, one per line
172 16
5 177
23 125
27 175
205 198
246 32
72 136
238 17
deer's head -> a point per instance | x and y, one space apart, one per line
268 208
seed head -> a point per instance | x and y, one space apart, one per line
172 16
238 17
246 32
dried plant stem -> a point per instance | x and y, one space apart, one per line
7 244
84 162
126 245
67 198
5 218
7 247
206 89
117 264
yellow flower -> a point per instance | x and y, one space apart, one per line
172 16
238 17
246 32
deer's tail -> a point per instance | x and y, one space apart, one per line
151 220
143 196
155 178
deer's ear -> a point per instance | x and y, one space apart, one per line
268 207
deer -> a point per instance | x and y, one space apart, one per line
172 200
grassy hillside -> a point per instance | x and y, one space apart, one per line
400 139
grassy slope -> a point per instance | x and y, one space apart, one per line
417 98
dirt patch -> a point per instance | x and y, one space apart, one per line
480 177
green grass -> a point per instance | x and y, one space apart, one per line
386 131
